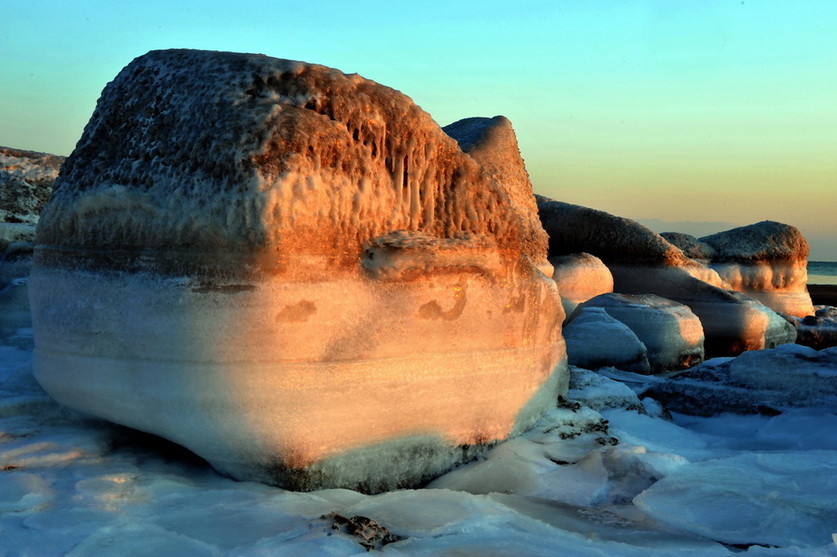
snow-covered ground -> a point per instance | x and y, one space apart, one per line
635 484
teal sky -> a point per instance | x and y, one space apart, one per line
680 110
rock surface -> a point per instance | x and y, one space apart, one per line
579 277
26 180
767 261
293 272
819 330
672 334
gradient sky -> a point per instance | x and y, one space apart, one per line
680 110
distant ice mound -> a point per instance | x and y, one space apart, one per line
768 261
295 273
26 180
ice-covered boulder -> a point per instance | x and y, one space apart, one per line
293 272
643 262
767 261
580 276
671 333
759 381
595 339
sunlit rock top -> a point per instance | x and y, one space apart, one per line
216 150
764 241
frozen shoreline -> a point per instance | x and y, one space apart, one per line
640 485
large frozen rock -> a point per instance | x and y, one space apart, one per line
580 276
767 261
595 339
292 272
643 262
672 334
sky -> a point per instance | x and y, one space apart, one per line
705 114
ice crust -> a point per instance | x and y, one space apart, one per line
296 274
76 486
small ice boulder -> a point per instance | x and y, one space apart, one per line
601 393
672 334
580 276
596 339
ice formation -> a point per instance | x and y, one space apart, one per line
760 381
671 333
766 260
595 339
75 486
643 262
295 273
580 276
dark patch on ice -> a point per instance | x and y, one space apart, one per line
223 288
370 534
299 312
432 310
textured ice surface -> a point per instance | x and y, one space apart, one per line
81 487
255 154
775 498
764 381
296 274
